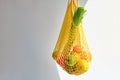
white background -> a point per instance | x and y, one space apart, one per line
29 30
102 27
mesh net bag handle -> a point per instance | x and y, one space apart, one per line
64 32
71 51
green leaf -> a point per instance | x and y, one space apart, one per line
78 15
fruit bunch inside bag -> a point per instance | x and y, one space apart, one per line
71 51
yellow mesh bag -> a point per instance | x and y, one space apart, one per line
71 51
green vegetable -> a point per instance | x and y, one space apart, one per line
71 60
78 15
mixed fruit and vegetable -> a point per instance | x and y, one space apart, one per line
73 55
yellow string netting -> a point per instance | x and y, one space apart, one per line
71 51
